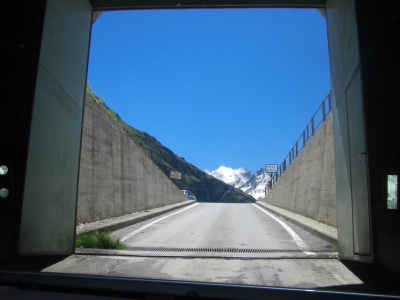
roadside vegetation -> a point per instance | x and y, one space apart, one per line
98 240
335 245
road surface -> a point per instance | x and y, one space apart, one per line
179 246
207 226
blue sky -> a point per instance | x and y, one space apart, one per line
232 87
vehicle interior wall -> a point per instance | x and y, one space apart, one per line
51 176
20 48
351 173
378 24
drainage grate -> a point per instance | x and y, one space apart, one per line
227 250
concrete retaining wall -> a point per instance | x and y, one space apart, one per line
308 186
116 177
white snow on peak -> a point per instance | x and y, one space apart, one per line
230 176
252 184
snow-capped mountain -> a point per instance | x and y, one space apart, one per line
230 176
252 184
256 184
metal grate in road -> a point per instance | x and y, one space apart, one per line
226 250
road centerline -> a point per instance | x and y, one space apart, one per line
154 222
298 240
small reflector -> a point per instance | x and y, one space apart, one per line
4 193
3 170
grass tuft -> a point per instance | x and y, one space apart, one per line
335 245
98 240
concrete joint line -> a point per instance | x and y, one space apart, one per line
299 242
59 85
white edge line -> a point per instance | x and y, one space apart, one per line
300 243
152 223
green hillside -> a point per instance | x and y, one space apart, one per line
205 187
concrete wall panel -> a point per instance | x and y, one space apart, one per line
351 173
49 202
308 186
116 177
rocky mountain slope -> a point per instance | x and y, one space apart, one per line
252 184
204 186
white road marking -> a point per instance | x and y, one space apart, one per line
299 242
154 222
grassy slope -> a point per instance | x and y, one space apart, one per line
205 187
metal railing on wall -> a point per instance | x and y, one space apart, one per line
313 125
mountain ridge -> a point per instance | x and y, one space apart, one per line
205 187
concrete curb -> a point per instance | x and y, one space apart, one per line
323 231
123 221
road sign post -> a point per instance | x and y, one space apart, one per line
271 169
175 175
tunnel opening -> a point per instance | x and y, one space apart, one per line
181 46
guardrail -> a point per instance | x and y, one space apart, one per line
313 125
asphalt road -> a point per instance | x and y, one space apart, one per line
220 225
217 226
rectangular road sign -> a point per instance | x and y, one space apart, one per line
175 175
271 168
